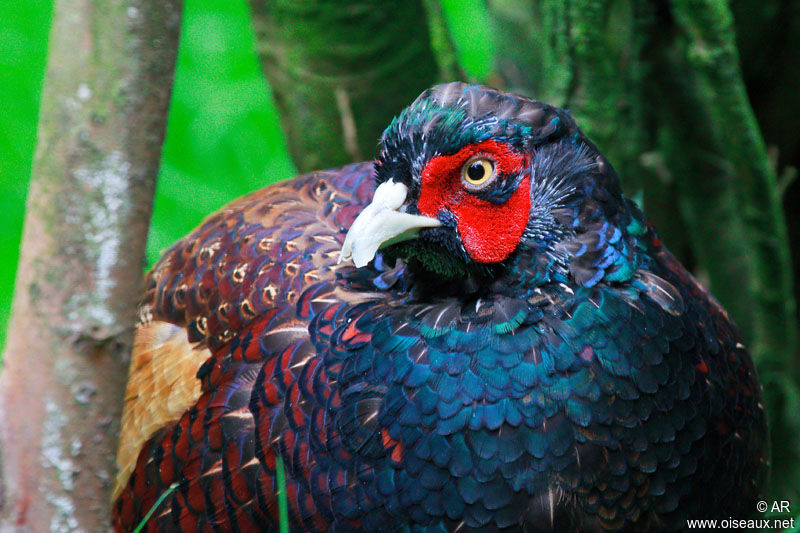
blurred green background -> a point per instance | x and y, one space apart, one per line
23 50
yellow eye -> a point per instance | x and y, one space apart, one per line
477 171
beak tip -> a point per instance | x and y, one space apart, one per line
380 222
363 255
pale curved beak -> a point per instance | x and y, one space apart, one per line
381 223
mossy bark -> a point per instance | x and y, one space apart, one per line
691 145
712 53
102 124
339 72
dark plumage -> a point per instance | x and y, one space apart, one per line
522 352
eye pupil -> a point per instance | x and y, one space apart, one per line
476 171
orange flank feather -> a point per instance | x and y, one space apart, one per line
162 384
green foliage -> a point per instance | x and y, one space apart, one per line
155 506
283 503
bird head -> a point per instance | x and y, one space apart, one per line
470 178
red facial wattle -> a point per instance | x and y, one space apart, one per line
489 231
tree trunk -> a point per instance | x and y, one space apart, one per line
101 128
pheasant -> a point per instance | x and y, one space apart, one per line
475 332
